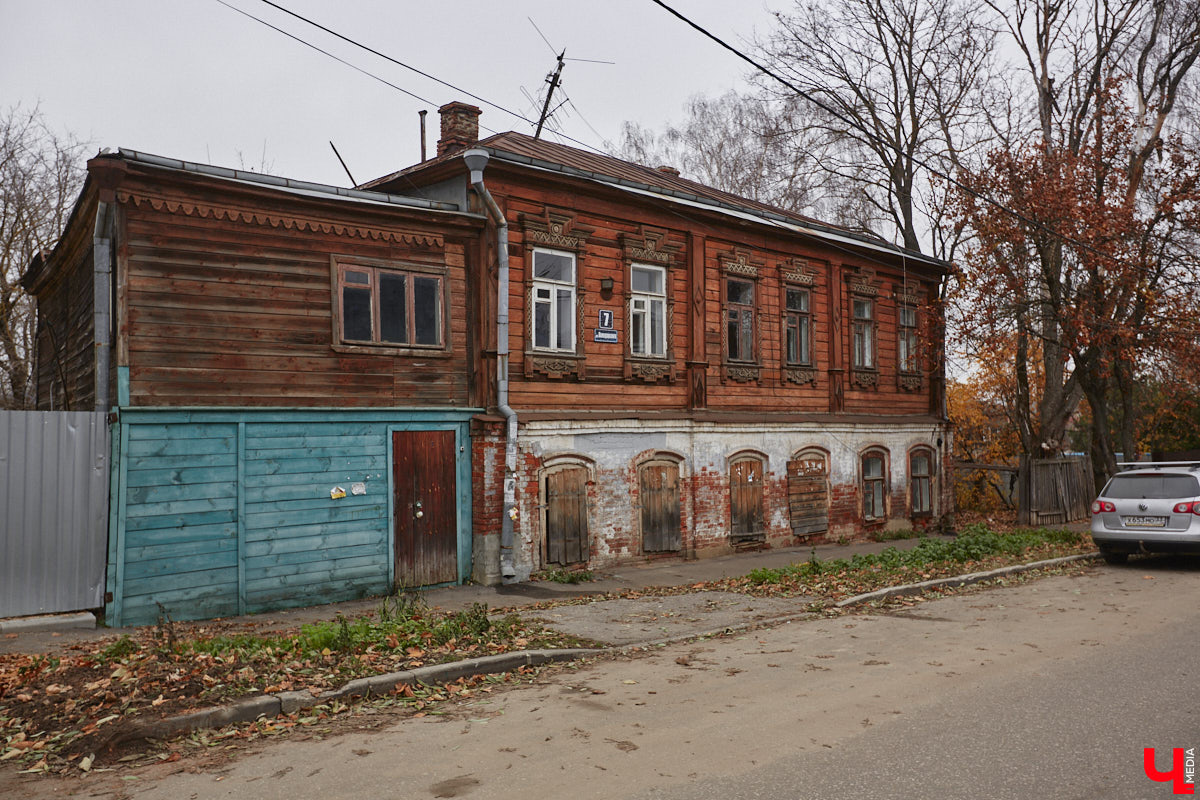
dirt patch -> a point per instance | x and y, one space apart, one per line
649 619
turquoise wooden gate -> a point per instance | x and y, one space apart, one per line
219 513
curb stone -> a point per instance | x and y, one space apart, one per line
48 622
958 580
271 705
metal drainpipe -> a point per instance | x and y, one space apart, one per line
102 300
476 159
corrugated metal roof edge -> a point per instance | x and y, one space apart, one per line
814 229
291 183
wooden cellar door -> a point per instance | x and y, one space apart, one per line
746 501
566 516
425 508
659 497
808 493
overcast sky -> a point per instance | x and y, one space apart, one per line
195 80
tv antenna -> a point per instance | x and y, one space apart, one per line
554 79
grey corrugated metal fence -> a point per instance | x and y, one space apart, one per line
53 511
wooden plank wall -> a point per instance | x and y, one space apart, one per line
235 313
604 386
64 348
232 513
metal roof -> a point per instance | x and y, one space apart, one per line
524 150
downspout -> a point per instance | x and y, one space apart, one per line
476 160
102 301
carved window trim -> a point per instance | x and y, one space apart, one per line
557 231
864 286
650 247
738 265
908 336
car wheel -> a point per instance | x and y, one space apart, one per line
1114 558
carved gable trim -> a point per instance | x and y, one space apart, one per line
555 228
283 221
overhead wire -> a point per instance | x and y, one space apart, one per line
867 132
411 68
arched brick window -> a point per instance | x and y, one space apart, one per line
873 471
921 481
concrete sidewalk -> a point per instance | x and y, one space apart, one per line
47 637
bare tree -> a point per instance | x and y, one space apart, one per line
894 85
40 176
742 144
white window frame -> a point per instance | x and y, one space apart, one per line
552 289
641 306
863 327
908 344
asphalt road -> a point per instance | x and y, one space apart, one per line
1049 689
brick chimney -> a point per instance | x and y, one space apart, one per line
460 127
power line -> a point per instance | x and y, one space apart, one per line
880 140
411 68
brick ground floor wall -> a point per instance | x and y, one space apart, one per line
613 451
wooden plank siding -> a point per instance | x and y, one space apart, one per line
606 219
231 512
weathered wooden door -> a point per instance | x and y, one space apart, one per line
566 516
659 497
426 520
746 501
808 493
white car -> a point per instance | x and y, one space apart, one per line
1148 508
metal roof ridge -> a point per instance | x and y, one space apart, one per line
286 183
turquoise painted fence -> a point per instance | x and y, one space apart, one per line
219 513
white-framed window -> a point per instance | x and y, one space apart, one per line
798 344
648 311
863 331
390 306
907 346
553 300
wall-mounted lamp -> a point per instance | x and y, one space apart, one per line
606 287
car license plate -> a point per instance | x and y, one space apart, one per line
1144 522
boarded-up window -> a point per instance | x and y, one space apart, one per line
566 515
658 484
746 500
808 493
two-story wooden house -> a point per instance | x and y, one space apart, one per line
514 356
691 372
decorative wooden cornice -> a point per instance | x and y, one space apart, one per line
798 271
649 245
554 366
555 228
650 372
739 262
283 221
910 381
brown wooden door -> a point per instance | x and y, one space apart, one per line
426 523
808 494
566 516
659 497
746 501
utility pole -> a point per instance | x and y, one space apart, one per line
553 81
